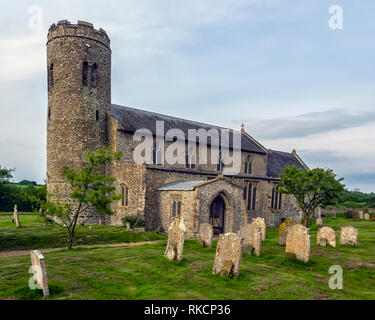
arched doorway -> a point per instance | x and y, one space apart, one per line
217 210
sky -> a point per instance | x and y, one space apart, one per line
274 65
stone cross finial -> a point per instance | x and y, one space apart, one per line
242 127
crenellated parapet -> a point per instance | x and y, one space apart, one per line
82 29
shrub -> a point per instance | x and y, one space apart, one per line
134 221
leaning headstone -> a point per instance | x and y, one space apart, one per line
39 271
262 225
319 222
228 255
283 229
326 235
348 236
16 218
251 234
176 238
205 235
15 211
366 216
298 243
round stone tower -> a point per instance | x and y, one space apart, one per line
79 97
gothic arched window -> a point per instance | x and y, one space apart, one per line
94 67
174 208
249 187
179 209
254 198
248 165
124 195
85 68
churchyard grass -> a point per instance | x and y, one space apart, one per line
143 273
34 234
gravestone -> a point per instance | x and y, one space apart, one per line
348 236
319 222
283 229
326 235
127 224
176 238
333 215
251 234
262 225
39 270
228 255
366 216
205 235
354 214
16 218
298 243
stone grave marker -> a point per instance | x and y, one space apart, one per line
326 235
228 255
298 243
176 238
205 235
39 270
348 236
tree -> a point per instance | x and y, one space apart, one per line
312 188
91 188
5 175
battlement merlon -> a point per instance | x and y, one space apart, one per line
82 29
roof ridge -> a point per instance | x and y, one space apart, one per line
174 117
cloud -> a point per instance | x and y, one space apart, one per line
309 123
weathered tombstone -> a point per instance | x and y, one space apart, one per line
228 255
262 225
16 219
354 214
283 229
176 238
15 211
127 224
333 215
319 222
366 216
39 270
251 234
298 243
205 235
326 235
348 236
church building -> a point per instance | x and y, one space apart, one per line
81 117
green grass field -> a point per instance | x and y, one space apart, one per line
143 273
34 234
